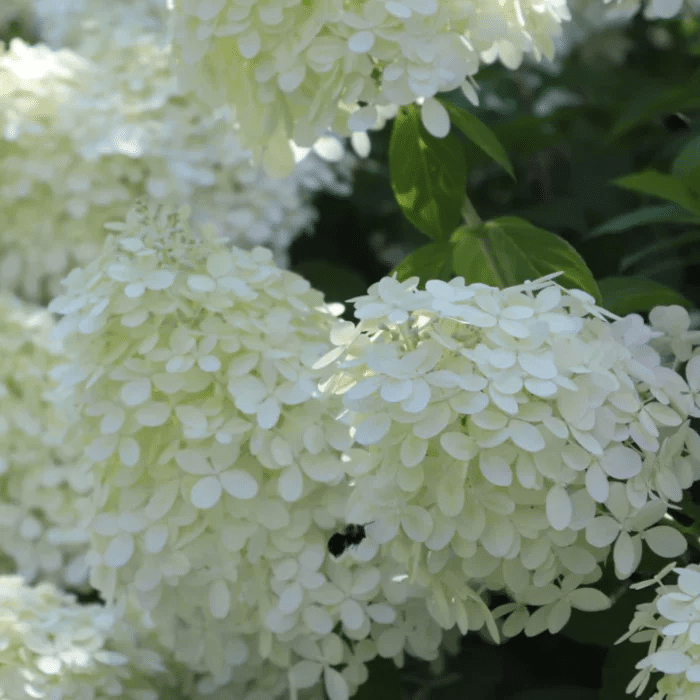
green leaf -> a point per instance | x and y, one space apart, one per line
652 103
626 295
509 250
384 682
687 164
432 261
665 244
618 671
688 160
428 175
669 187
336 282
661 214
477 132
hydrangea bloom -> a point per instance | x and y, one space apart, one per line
54 647
83 24
670 625
294 68
596 28
217 465
85 133
658 9
40 501
507 439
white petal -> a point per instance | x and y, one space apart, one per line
435 118
558 507
291 483
304 674
416 523
335 684
450 494
665 541
129 451
395 390
602 531
219 599
589 600
413 450
669 661
496 470
206 493
136 392
154 414
119 551
538 365
623 554
390 642
621 462
101 448
372 429
291 598
201 283
597 483
160 279
458 445
239 484
525 436
689 582
498 536
361 42
351 614
692 372
249 44
317 619
361 143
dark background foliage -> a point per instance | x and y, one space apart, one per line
612 120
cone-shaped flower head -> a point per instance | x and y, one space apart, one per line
54 647
513 435
294 68
217 464
41 525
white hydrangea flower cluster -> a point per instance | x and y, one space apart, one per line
218 467
42 532
654 9
54 647
82 24
670 625
294 68
596 28
507 439
85 133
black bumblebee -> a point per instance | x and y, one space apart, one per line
340 541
